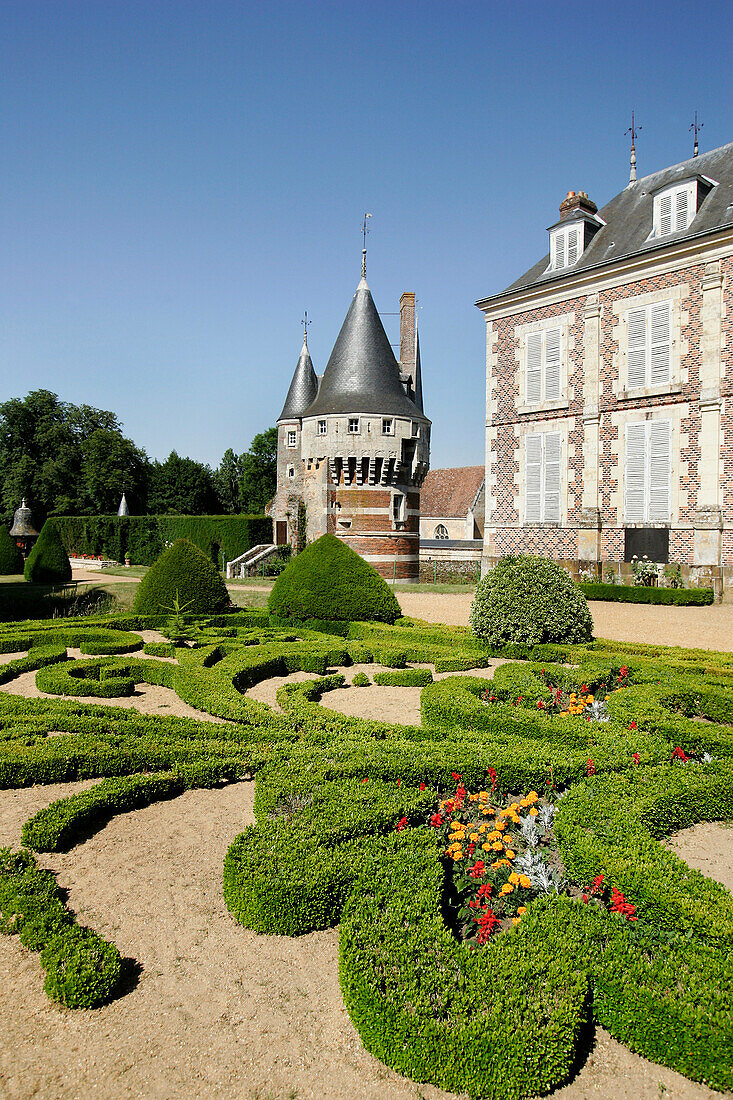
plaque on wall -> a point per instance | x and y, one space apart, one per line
652 541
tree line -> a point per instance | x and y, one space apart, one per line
70 459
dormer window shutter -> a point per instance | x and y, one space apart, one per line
552 365
665 215
661 343
533 479
636 357
681 210
572 247
558 250
534 368
659 469
551 442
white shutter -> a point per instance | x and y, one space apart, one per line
552 364
572 247
551 495
559 250
661 343
681 210
660 432
635 473
534 368
665 215
636 349
532 478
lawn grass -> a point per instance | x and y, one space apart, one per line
122 571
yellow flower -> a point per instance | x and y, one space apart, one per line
515 920
507 888
522 910
534 796
500 863
500 825
485 847
472 797
524 881
474 837
483 796
533 812
497 846
514 878
509 855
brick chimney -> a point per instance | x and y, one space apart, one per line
577 200
407 334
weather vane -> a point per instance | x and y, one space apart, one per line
634 131
364 230
697 127
305 322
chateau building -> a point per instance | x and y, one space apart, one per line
354 444
609 382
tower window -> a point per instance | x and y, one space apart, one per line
321 427
415 430
292 439
388 427
399 508
291 472
353 425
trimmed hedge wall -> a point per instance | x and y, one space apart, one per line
629 593
145 538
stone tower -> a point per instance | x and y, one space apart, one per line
354 445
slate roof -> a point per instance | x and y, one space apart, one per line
362 375
450 492
629 219
303 387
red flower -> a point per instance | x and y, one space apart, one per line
540 704
590 767
680 754
436 821
597 884
484 890
486 925
519 699
422 786
619 904
584 688
449 806
401 824
636 758
478 869
492 776
365 779
632 724
399 782
585 898
456 777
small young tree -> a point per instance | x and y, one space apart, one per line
48 562
182 576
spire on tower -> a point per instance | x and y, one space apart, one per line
364 230
697 127
305 322
634 131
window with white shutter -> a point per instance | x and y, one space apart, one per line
543 366
674 209
648 472
649 346
542 477
565 246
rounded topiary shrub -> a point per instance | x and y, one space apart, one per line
11 559
330 581
529 600
48 562
182 573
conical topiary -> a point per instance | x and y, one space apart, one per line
329 581
48 562
184 577
11 559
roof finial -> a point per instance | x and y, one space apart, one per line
364 231
697 127
634 131
305 322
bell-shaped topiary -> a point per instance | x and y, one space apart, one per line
329 581
529 600
182 578
48 562
11 559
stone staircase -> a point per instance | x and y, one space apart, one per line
249 560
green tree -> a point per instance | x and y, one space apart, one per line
258 479
65 458
226 482
181 486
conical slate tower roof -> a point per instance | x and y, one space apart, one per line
303 388
362 375
123 509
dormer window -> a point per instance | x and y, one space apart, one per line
565 246
674 209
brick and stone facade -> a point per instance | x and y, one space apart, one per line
354 445
593 310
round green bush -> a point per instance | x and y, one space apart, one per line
529 600
183 573
361 680
82 968
48 562
329 581
11 559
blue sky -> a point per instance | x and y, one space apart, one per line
181 180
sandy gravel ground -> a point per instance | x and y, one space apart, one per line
706 627
708 848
